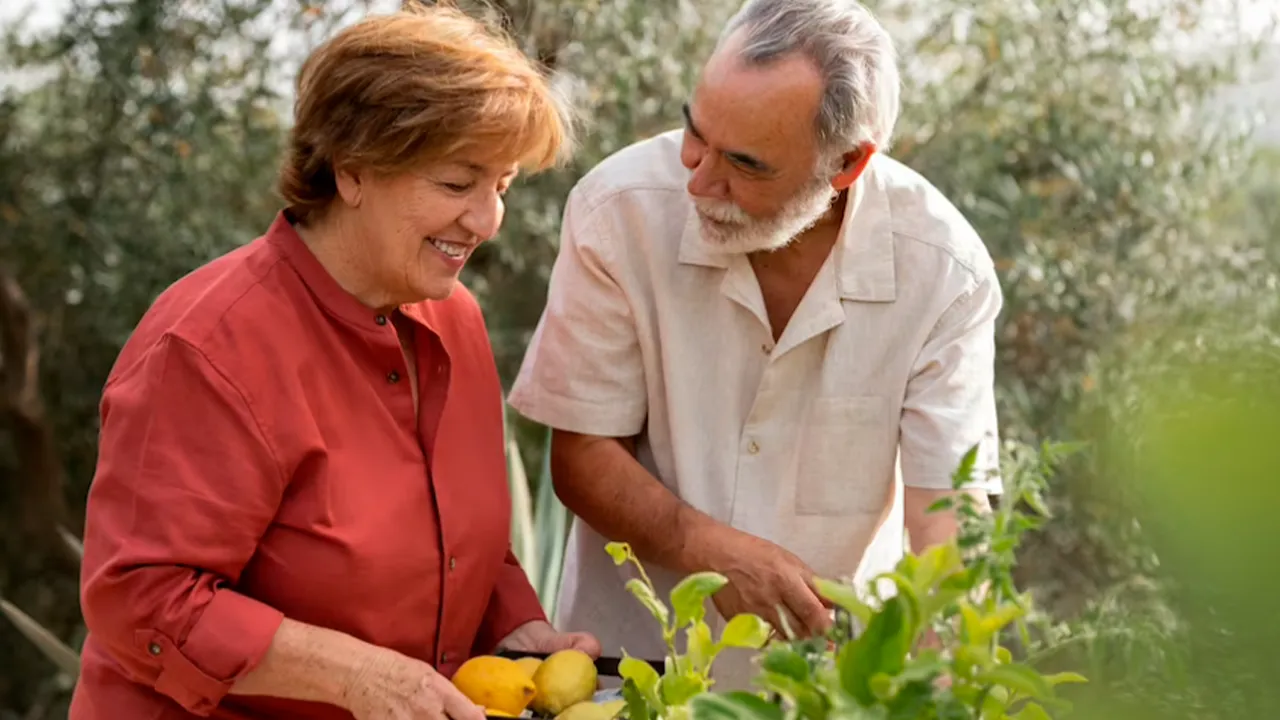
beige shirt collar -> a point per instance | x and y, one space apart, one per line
865 257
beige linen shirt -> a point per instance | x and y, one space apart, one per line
883 377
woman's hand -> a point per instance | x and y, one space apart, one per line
540 637
391 686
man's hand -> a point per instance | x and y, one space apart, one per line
762 577
540 637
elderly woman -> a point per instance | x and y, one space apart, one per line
300 508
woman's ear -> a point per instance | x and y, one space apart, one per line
855 162
350 188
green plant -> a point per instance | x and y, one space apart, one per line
686 674
895 668
539 521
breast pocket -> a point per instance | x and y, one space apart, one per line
847 450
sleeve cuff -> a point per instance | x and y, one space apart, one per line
620 418
512 604
228 641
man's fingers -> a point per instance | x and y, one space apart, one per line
811 580
808 609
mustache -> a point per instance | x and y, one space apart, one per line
722 211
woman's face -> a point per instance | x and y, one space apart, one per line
415 230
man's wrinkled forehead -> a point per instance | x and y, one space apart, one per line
760 113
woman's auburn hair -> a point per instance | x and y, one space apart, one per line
392 92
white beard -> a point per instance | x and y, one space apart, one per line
727 229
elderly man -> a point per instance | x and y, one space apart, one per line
766 345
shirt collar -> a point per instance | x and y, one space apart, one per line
331 296
864 251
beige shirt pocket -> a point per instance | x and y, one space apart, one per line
846 456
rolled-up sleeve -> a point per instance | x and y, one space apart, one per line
583 370
186 484
513 603
950 403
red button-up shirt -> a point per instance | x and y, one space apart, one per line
260 458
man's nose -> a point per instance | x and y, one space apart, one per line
705 181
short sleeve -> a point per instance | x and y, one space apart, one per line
185 486
950 404
583 370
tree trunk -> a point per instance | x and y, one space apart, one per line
39 477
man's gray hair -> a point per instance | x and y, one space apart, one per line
853 52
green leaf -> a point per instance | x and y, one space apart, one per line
745 631
647 598
941 504
644 677
735 705
811 703
1065 677
67 660
1031 711
846 597
1019 678
912 701
881 686
964 472
688 597
938 562
1035 501
701 648
551 524
923 668
618 551
993 622
882 647
524 541
787 662
909 599
637 707
679 688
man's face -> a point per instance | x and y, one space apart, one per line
757 180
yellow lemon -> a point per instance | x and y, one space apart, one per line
565 678
592 710
497 684
529 664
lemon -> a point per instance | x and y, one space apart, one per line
565 678
589 710
496 684
529 664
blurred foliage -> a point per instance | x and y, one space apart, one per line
138 139
1196 448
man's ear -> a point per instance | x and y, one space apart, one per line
350 188
855 162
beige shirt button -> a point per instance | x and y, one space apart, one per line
766 348
753 447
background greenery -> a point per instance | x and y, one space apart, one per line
1132 221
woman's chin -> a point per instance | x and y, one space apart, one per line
438 288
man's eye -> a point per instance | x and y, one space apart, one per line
455 187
